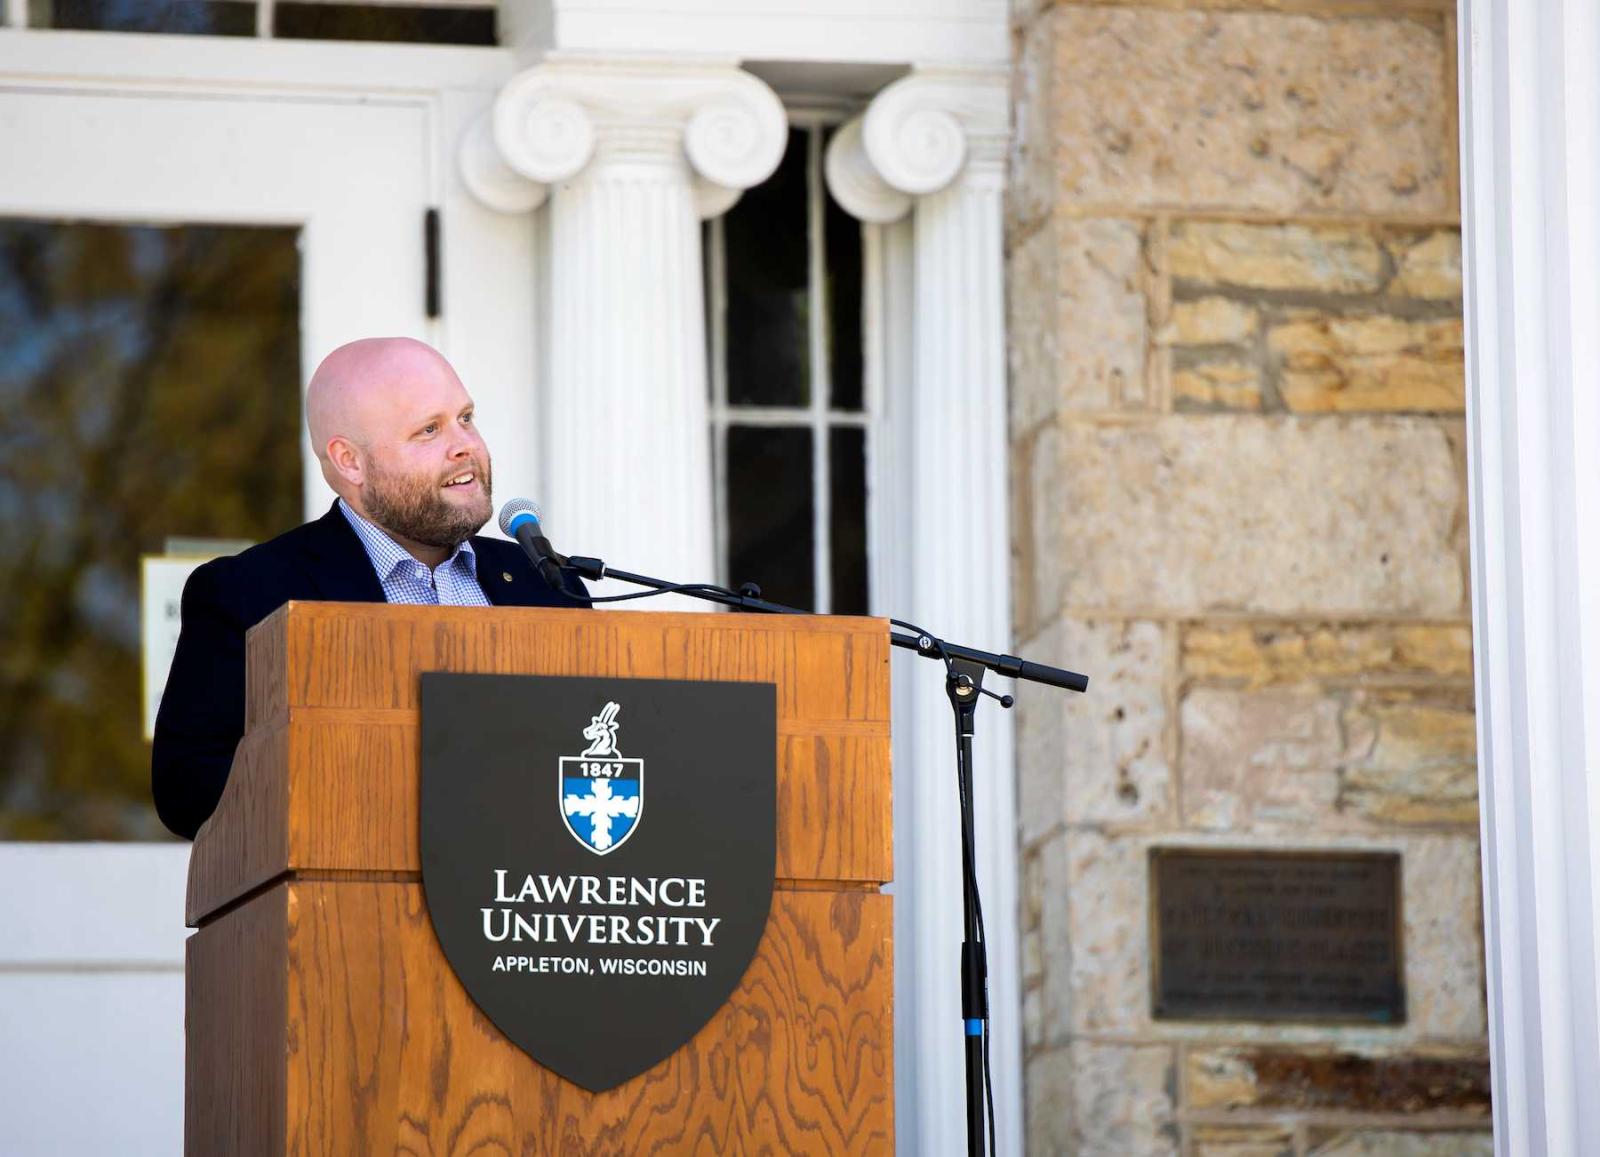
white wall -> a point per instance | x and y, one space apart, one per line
91 998
817 31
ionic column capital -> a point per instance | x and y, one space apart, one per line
721 127
917 137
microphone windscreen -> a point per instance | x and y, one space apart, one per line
516 506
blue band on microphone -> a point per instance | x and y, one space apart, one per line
974 1027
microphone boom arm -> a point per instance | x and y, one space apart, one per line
924 644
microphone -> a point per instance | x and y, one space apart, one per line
519 518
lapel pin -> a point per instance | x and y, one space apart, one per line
505 574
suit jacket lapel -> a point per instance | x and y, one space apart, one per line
338 564
503 587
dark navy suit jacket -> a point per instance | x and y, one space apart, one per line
202 709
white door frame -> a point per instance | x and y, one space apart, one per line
350 143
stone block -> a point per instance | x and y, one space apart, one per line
1437 650
1210 320
1442 903
1032 957
1220 1078
1031 191
1032 1020
1370 362
1078 320
1257 760
1122 1100
1261 654
1414 759
1427 265
1048 1083
1324 1080
1094 926
1045 882
1276 257
1228 384
1185 516
1400 1143
1241 1141
1099 758
1297 756
1251 110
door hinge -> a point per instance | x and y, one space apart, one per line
430 257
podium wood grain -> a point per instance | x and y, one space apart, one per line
383 1051
323 1016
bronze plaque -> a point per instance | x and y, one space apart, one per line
1255 935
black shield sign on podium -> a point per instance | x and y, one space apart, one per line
598 856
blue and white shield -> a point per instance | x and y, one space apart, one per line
601 800
600 791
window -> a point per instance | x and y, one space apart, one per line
469 22
151 383
790 425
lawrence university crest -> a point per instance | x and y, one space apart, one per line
598 939
601 792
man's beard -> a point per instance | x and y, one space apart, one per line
415 507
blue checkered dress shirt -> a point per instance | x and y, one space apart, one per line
453 583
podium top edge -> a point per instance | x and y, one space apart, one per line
301 609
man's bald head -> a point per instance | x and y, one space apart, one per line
392 427
362 382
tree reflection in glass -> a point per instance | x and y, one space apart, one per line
150 385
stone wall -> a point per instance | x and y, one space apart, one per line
1240 477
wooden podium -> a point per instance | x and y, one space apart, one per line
322 1014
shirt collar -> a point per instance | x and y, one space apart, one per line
387 555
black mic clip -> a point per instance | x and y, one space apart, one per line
589 568
966 686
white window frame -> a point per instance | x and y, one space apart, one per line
818 415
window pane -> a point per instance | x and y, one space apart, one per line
770 512
769 343
297 21
150 384
842 234
196 17
847 468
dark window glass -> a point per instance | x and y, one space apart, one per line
191 17
770 512
150 381
397 22
842 243
847 466
769 345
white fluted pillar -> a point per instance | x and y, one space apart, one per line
633 156
934 144
1530 141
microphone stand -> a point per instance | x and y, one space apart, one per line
964 671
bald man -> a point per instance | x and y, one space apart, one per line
395 435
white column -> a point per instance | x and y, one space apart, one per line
633 157
934 143
1530 132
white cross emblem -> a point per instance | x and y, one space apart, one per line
600 807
